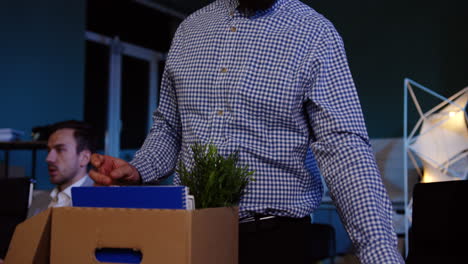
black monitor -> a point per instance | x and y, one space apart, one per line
14 201
439 230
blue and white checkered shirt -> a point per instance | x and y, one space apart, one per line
271 86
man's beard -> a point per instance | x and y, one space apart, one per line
251 6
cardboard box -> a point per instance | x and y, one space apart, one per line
208 236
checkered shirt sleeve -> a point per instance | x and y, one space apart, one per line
344 156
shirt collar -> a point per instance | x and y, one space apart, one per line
231 6
55 192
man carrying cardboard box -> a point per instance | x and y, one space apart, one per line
268 79
70 145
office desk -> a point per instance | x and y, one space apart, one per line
22 145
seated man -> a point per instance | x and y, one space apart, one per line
70 145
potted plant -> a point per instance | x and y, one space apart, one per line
214 181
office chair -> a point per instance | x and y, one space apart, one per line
323 243
14 202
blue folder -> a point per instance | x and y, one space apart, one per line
148 197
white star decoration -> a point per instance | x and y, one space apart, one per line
442 142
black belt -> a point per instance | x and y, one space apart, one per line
264 222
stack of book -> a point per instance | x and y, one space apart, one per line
9 134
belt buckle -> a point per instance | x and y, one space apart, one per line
256 219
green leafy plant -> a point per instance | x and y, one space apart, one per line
213 180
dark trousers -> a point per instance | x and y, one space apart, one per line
276 240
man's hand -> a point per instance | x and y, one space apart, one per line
113 171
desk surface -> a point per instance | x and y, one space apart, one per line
23 145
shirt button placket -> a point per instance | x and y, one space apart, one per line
220 114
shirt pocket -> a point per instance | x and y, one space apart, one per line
265 91
263 100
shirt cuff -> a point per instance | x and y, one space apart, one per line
381 253
144 169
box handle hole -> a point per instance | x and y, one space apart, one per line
118 255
